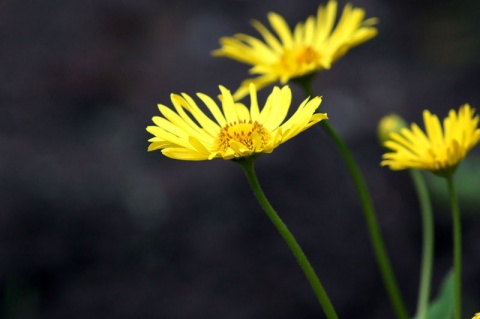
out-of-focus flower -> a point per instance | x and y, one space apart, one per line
477 316
438 150
389 124
235 130
312 46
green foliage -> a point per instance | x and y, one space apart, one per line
442 306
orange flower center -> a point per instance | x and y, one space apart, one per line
251 135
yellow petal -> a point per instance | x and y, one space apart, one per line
228 106
281 28
268 37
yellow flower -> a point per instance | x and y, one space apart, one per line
389 124
312 46
439 150
236 131
477 316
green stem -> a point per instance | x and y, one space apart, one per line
369 212
457 248
428 244
372 225
247 165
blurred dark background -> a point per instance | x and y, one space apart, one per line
93 226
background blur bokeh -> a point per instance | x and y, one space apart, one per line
93 226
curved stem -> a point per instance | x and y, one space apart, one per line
247 165
372 225
428 244
305 82
457 248
376 239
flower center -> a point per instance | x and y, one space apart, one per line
296 57
242 136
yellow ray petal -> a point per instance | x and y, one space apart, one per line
184 154
271 40
281 28
228 106
214 109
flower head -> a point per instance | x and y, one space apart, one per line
438 150
477 316
235 130
389 124
312 46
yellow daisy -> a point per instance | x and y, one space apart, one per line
312 46
439 150
477 316
236 131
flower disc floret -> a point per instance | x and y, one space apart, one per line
251 135
285 54
232 131
438 150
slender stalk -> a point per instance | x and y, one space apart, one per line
372 225
247 165
428 244
457 248
376 239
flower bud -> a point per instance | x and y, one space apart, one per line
388 124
